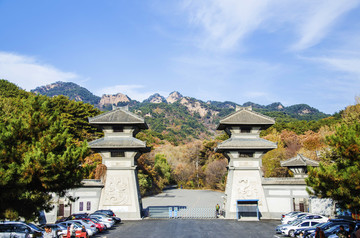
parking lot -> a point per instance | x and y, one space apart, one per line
193 228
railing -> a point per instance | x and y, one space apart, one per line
180 212
197 213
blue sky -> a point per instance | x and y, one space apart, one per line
262 51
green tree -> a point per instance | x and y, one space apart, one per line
337 177
145 182
162 168
37 156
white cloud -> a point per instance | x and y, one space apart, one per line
28 73
348 65
345 65
135 92
318 19
225 24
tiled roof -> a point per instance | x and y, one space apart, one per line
299 160
117 143
246 143
118 116
245 116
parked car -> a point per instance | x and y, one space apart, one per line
318 218
332 230
78 230
105 219
332 222
99 226
303 230
288 219
335 234
109 213
278 228
289 214
60 230
290 229
73 217
19 229
90 228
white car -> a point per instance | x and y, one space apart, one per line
318 218
295 216
278 228
289 230
289 214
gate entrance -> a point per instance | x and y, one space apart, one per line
248 209
183 204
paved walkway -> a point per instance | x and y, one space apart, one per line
185 197
176 228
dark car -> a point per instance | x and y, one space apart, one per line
74 216
109 213
19 229
327 225
335 229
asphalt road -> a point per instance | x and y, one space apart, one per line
194 228
174 228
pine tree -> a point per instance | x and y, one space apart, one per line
338 177
37 156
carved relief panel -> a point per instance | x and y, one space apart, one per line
247 189
117 191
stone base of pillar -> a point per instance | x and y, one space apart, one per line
121 193
243 184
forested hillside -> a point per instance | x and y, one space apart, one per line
178 119
71 90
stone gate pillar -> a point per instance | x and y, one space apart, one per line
120 150
244 150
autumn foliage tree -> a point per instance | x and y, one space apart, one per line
216 174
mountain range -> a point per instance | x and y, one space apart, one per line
176 112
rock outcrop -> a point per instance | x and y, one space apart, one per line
107 99
194 106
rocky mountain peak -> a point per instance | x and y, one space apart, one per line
155 98
174 96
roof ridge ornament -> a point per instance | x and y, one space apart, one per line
238 108
125 108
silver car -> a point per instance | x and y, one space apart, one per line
106 220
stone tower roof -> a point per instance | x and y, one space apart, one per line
118 143
118 116
245 116
299 161
246 143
